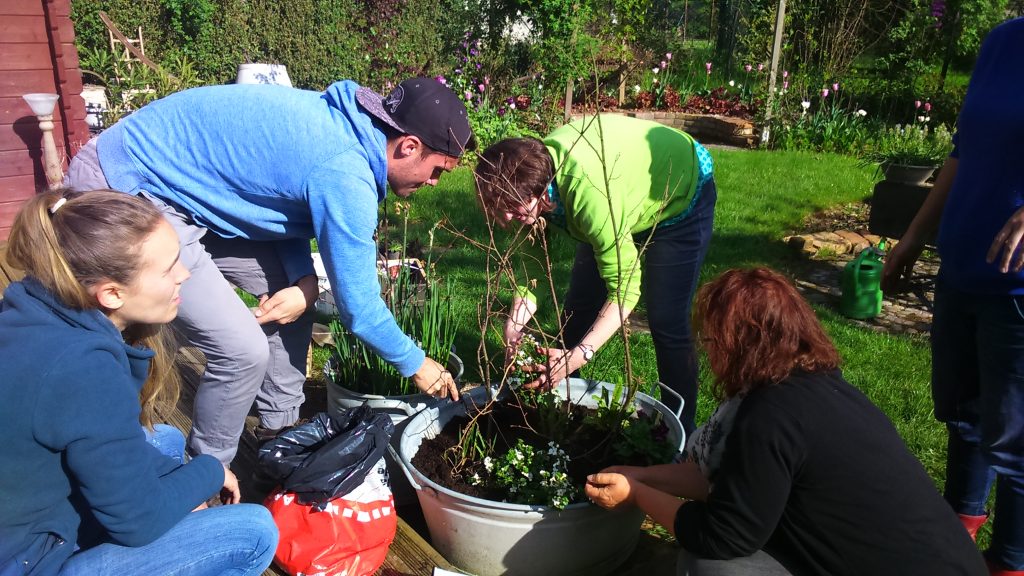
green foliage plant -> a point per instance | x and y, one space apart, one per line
912 145
129 86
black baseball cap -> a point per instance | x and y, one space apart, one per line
425 108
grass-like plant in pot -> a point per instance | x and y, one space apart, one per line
422 306
912 145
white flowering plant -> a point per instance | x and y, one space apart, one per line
534 475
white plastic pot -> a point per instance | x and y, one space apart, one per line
262 73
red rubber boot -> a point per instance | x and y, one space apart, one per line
973 524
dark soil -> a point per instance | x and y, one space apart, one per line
588 447
852 217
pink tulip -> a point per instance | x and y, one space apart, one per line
748 67
663 64
824 92
707 66
760 67
917 104
441 80
785 84
785 73
835 87
927 106
481 87
668 55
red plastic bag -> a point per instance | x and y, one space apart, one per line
350 536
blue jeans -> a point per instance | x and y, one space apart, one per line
978 390
168 440
227 540
671 268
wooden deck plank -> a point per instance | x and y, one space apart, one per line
409 555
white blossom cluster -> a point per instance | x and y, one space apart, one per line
533 476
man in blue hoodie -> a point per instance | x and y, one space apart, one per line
247 174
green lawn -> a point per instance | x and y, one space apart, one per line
762 196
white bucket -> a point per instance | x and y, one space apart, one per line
261 73
490 538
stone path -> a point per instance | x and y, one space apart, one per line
819 280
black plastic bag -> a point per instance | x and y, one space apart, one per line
327 457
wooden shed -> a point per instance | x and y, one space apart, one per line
37 54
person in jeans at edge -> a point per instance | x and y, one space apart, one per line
978 324
796 472
247 175
82 491
618 186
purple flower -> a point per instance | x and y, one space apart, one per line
477 65
473 52
441 80
458 70
501 111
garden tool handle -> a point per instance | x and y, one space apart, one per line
664 388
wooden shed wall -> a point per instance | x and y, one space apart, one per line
37 54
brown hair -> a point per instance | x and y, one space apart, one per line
757 330
512 170
70 241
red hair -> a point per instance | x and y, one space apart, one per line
757 330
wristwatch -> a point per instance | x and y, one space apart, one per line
588 352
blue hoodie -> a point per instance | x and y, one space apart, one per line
77 467
271 163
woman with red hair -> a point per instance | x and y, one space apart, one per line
797 472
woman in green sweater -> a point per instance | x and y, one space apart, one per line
622 188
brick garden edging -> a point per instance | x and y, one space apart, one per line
704 127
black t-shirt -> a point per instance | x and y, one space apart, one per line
817 476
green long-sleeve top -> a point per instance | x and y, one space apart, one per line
617 176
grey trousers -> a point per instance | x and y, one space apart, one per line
245 362
757 564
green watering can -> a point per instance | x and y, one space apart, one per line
861 284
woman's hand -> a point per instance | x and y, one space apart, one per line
1008 243
899 265
559 364
609 489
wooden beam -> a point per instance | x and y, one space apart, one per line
129 46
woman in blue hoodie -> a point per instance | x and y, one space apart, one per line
81 490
